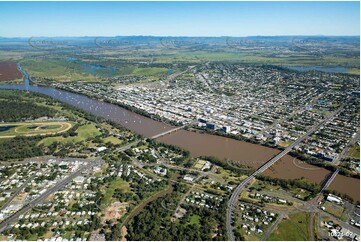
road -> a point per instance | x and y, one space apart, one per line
183 199
232 202
168 132
307 207
126 147
16 193
347 148
11 219
162 161
294 113
39 160
174 130
55 188
273 227
339 158
177 74
329 180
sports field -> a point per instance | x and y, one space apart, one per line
10 130
83 133
200 164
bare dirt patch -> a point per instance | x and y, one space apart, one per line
115 210
124 233
9 71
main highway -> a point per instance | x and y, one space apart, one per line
16 193
232 202
12 218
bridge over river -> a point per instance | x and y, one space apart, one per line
172 130
232 202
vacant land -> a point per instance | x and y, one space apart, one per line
334 209
9 71
11 130
112 140
115 210
293 228
354 152
109 192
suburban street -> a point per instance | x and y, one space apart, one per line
43 196
16 193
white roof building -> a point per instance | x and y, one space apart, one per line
79 179
333 198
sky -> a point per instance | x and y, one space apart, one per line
26 19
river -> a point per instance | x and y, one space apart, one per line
197 143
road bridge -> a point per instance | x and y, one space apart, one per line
232 202
329 180
167 132
173 130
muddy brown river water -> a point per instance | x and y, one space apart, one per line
290 168
245 153
202 144
347 185
199 144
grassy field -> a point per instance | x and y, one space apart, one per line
355 151
355 71
83 133
151 71
112 140
63 70
199 164
262 57
34 128
300 193
259 185
295 228
11 55
226 175
57 69
334 209
284 143
195 219
109 192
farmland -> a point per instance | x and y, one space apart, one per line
45 70
9 71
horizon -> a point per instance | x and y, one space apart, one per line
177 36
173 121
179 19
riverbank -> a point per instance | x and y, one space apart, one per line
127 107
198 144
301 156
308 159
